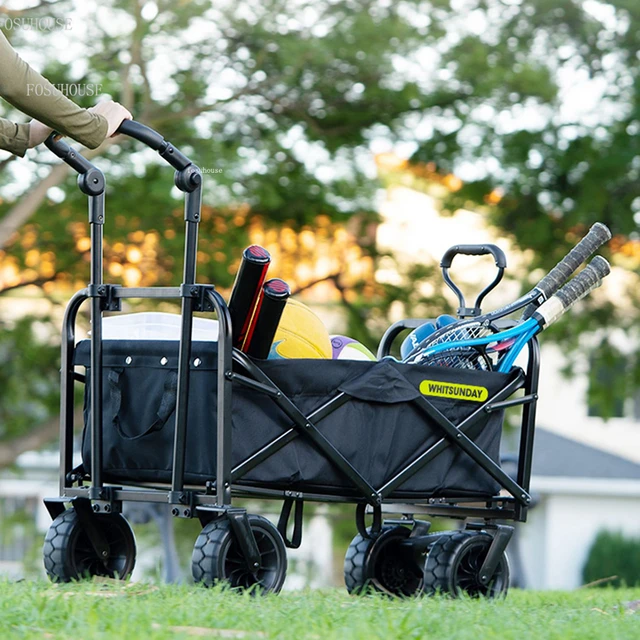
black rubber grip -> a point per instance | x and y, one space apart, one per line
155 141
474 250
586 281
141 132
597 236
75 160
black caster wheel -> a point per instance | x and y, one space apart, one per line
217 557
383 564
69 555
454 562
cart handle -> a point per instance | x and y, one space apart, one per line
472 250
91 179
68 154
475 250
155 141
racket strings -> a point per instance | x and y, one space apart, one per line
460 358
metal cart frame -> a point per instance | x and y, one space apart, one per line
93 495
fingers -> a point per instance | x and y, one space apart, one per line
38 133
114 113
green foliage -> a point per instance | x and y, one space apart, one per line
611 381
283 104
613 554
559 168
29 378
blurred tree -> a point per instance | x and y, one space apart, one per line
275 105
542 127
278 102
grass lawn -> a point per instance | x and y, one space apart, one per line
117 610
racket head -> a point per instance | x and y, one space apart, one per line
454 332
458 358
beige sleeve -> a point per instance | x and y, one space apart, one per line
34 95
14 137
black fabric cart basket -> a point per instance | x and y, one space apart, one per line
380 430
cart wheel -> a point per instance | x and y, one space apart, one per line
69 555
383 564
454 562
217 556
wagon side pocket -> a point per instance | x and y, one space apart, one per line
138 421
166 406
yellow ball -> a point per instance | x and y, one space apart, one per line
300 334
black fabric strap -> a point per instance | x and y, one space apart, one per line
167 403
376 525
283 523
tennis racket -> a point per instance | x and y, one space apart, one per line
469 345
596 237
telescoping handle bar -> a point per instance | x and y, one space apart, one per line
130 128
74 159
155 141
91 182
90 179
188 179
475 250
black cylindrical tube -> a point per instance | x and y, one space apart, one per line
271 303
246 290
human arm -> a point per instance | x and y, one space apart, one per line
113 112
14 137
28 91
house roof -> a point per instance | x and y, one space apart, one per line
557 456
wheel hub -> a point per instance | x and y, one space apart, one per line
394 575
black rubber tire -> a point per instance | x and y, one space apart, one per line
454 562
217 557
69 556
382 564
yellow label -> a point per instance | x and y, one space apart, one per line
453 390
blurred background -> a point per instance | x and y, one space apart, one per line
356 140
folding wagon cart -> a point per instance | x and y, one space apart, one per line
195 424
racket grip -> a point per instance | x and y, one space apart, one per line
597 236
585 282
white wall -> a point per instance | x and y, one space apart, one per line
561 529
533 546
562 408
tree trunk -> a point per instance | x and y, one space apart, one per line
29 203
35 195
